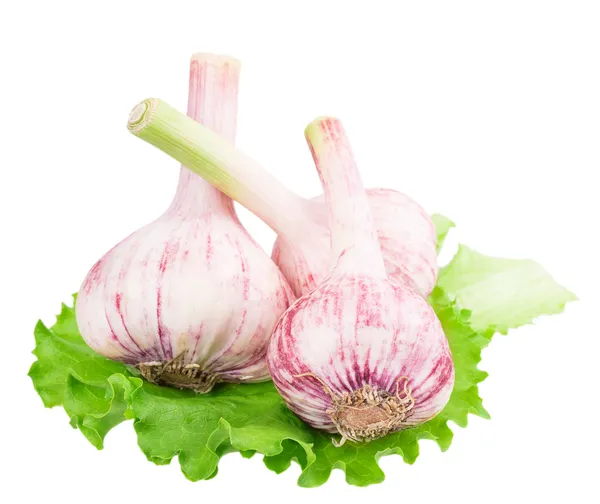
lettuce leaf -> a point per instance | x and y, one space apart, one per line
93 390
504 293
473 300
246 418
443 225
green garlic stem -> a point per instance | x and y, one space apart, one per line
216 160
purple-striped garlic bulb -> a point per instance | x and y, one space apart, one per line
190 299
362 354
302 250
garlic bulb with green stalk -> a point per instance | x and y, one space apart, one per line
190 299
302 250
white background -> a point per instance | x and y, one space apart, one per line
488 112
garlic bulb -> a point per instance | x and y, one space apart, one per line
302 250
361 354
190 299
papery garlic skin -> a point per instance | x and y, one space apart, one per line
208 294
361 354
190 294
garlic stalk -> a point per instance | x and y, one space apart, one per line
190 299
361 354
302 250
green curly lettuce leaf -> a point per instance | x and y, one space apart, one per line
98 394
504 293
443 225
201 428
93 390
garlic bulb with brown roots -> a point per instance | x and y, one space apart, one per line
190 299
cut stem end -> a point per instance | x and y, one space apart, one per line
141 115
216 59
